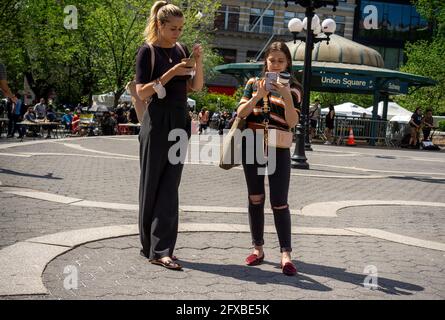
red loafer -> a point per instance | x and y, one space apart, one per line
254 260
289 269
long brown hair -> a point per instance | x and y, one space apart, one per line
282 47
160 11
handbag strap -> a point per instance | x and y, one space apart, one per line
152 59
266 113
182 49
266 109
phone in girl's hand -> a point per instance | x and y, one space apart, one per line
190 62
271 77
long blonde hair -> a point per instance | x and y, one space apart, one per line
160 11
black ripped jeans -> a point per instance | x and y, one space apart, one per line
279 189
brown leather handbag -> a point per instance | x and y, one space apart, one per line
231 147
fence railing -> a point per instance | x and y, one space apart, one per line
361 127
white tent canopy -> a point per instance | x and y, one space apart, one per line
348 109
393 110
105 99
191 103
108 99
401 119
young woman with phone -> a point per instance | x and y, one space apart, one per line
168 87
283 100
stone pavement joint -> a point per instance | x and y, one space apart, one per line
381 234
40 251
329 209
406 244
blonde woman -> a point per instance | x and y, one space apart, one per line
167 84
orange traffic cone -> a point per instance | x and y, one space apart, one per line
351 141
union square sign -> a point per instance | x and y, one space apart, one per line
346 82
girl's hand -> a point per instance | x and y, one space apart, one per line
282 89
181 70
261 89
198 52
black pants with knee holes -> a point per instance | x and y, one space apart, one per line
279 189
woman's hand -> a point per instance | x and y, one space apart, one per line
261 89
181 70
198 53
282 89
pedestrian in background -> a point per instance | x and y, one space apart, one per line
203 118
40 109
18 110
329 120
427 124
415 125
314 116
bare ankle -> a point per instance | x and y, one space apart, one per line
286 256
258 250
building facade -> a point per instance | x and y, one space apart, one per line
387 25
243 31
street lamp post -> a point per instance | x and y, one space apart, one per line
312 25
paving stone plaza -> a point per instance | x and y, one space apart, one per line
367 223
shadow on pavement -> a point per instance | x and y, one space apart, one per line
388 286
420 179
303 279
16 173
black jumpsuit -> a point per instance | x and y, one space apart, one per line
160 179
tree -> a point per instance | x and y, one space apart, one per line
98 56
327 98
426 58
214 101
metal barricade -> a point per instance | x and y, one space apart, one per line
361 127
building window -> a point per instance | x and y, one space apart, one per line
227 18
340 21
288 16
393 57
262 24
229 55
251 55
396 23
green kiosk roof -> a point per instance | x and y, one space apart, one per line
340 66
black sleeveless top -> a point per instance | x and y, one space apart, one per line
176 88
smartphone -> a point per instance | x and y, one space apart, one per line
271 77
190 62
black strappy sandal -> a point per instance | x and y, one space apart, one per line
170 264
174 258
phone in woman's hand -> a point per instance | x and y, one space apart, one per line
190 62
271 77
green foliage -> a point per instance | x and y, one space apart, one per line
210 101
441 125
327 98
426 58
97 57
434 12
238 94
